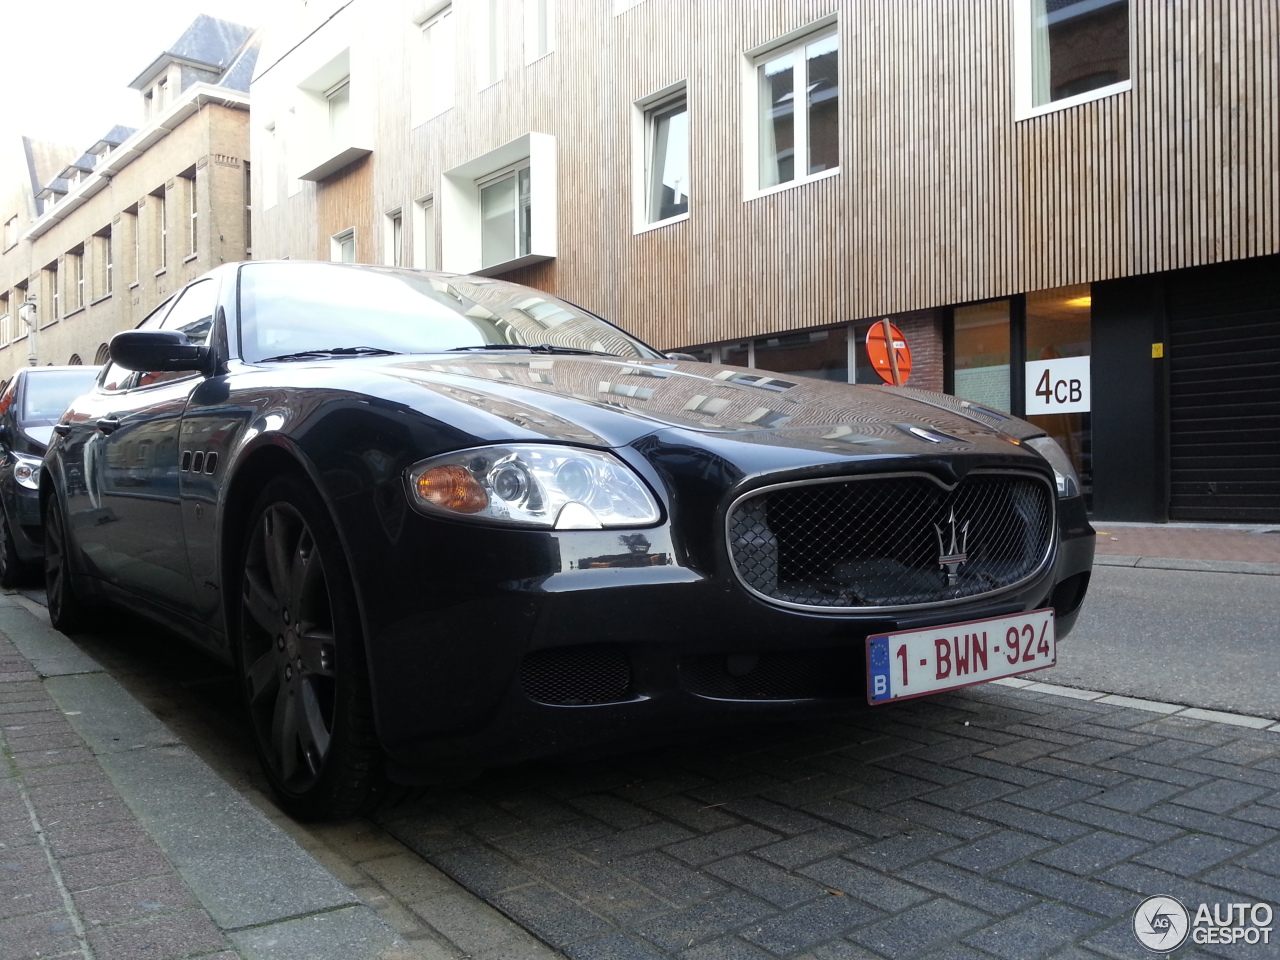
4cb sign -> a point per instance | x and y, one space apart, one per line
1060 385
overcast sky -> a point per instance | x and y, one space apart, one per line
69 62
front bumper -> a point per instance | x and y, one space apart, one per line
486 645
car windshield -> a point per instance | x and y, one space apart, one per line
49 392
327 309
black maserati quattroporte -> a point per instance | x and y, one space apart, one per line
442 522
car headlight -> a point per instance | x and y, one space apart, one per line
26 470
1063 472
534 485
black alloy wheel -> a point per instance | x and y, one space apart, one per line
301 658
67 611
12 569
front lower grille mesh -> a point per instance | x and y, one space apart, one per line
577 676
894 541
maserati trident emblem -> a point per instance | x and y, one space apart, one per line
953 545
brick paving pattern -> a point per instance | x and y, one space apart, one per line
990 823
1189 543
79 877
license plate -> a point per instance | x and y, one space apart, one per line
915 662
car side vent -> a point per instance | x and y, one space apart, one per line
577 676
793 675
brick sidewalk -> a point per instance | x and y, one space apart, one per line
1188 543
79 875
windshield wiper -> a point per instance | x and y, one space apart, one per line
531 348
331 352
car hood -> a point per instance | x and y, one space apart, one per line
617 401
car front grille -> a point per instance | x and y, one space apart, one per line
891 541
577 676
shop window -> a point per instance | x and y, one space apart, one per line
1059 339
822 354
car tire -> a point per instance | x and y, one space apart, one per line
13 571
68 611
300 656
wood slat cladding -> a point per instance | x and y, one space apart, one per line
942 196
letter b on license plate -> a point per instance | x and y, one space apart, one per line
952 655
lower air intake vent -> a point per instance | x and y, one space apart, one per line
795 675
577 676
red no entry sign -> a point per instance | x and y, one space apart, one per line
890 356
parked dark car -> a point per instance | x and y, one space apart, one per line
441 522
30 404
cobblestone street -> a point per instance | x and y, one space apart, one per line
993 822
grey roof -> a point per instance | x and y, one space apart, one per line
208 41
85 162
56 185
113 137
238 75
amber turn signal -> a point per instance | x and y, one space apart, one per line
453 488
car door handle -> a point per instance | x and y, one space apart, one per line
62 429
107 424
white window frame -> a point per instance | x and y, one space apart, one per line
338 240
642 116
510 172
1023 94
434 64
162 230
795 41
324 148
424 233
490 49
193 216
459 204
393 248
539 22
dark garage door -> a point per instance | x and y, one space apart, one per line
1224 392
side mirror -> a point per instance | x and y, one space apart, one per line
157 350
682 356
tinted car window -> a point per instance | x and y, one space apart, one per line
289 308
48 393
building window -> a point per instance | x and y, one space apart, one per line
424 234
339 105
6 321
331 124
160 220
393 240
498 210
75 278
434 67
101 265
797 110
134 243
489 60
1070 52
666 152
51 275
539 28
505 215
342 247
193 215
248 211
10 232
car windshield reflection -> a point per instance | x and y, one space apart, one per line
298 311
